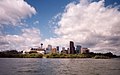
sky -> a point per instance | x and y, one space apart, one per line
94 24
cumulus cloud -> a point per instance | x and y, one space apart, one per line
13 11
29 38
91 25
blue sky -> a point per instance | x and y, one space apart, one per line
46 10
26 23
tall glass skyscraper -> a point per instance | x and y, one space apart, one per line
48 49
57 49
78 49
72 48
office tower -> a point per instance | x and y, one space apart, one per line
68 50
48 49
78 49
72 48
57 49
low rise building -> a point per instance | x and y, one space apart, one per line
64 51
84 50
34 50
54 50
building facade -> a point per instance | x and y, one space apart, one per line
57 49
54 50
48 49
72 48
84 50
37 50
78 49
64 51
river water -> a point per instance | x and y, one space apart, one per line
43 66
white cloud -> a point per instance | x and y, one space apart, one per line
29 38
13 11
90 24
36 22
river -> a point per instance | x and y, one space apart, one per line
44 66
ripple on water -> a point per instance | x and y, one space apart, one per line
59 67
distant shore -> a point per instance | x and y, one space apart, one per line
15 54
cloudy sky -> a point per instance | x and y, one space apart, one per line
91 23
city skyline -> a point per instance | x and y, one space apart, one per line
72 49
90 23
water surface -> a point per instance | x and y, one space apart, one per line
39 66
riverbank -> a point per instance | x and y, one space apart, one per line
56 55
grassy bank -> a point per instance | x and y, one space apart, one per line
15 54
55 55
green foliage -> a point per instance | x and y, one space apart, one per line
55 55
9 54
101 57
52 55
32 55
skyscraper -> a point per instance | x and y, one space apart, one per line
48 49
78 49
57 49
72 48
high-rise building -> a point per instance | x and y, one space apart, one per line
72 48
57 49
48 49
78 49
68 50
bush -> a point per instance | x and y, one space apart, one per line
32 55
101 57
55 55
52 55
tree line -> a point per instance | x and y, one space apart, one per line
16 54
